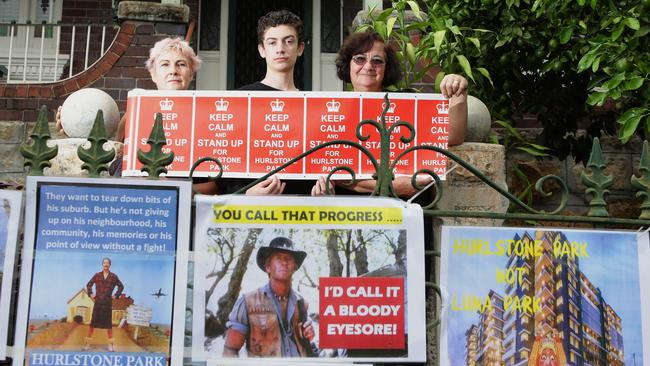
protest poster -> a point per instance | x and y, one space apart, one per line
342 270
219 137
254 132
544 296
332 118
9 223
176 108
104 272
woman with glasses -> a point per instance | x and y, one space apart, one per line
367 62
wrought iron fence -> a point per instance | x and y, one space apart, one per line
96 159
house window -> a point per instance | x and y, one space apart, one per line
330 26
43 12
30 55
34 11
210 25
9 11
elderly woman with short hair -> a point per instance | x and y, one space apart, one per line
172 65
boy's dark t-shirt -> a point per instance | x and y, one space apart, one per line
258 86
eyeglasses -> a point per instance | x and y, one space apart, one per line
375 61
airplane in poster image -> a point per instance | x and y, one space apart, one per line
159 293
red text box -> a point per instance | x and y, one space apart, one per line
433 130
361 312
177 123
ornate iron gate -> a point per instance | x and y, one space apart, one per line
96 159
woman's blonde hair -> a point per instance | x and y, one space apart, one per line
173 44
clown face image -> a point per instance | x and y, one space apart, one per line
547 358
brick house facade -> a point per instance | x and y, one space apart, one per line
119 70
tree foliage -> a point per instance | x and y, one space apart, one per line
560 60
223 249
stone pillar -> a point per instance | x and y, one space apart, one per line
462 191
153 12
67 163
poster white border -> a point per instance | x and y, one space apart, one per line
412 222
13 223
643 246
182 250
644 276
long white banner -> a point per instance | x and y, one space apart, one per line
252 133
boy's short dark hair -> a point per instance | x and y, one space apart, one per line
276 18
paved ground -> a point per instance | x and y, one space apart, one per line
99 341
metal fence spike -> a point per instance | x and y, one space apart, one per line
155 160
95 158
38 153
642 183
596 181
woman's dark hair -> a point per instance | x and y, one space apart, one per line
359 43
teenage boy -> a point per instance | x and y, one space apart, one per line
280 42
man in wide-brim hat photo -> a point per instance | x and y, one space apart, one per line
272 320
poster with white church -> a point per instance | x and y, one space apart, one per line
545 296
101 264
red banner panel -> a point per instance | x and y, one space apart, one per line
221 130
398 110
276 133
328 119
177 123
433 130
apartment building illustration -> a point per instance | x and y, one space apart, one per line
471 347
569 303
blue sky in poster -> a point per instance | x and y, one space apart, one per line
612 266
58 276
101 218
